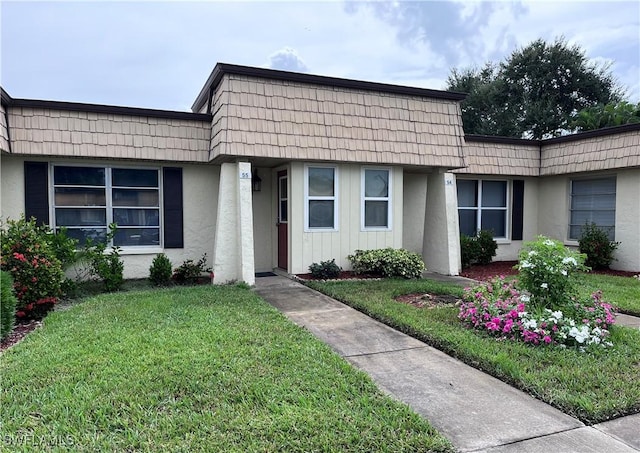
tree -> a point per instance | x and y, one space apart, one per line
599 116
535 92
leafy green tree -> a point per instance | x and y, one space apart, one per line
599 116
535 92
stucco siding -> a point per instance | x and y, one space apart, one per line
200 185
500 159
414 204
291 120
591 154
311 247
4 133
45 132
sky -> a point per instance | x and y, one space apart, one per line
159 54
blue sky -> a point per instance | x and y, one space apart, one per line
159 54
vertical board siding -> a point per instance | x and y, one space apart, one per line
316 246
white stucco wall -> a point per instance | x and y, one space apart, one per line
310 247
200 185
554 203
414 202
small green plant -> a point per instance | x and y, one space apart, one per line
160 270
595 244
7 304
325 269
478 249
189 271
28 255
108 267
387 263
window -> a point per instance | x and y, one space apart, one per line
482 205
593 200
376 199
321 210
87 199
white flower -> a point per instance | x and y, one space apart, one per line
544 286
569 260
563 272
533 253
557 314
580 334
526 264
525 298
530 324
548 242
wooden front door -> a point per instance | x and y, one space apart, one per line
283 219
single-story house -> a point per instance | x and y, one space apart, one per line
275 169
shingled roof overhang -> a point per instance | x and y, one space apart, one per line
272 74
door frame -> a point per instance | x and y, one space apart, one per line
282 224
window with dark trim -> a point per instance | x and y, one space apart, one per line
87 199
482 205
593 201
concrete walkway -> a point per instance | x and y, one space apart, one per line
477 412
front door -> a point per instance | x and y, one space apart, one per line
283 218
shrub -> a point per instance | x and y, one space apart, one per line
478 249
108 267
7 304
325 270
387 262
189 271
546 269
500 310
160 270
28 255
469 250
595 244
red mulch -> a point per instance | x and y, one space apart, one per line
496 268
19 332
427 300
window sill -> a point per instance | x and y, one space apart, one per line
140 250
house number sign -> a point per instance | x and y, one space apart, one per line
245 175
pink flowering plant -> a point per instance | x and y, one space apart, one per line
511 310
28 255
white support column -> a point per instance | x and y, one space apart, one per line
233 251
441 246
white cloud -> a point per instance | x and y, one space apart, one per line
287 59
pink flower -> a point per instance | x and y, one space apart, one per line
547 339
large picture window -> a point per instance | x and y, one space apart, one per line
321 209
482 205
593 200
87 199
376 199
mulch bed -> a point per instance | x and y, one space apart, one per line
19 332
344 275
426 300
496 268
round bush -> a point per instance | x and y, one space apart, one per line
160 270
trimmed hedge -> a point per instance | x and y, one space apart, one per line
387 263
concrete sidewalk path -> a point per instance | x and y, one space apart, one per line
474 410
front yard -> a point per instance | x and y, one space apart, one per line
192 369
592 386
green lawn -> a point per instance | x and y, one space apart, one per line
192 369
591 386
623 292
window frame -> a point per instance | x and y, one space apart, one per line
479 208
308 198
109 205
364 199
571 195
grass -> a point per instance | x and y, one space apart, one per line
192 369
592 386
622 292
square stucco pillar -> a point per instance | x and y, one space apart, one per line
233 258
441 245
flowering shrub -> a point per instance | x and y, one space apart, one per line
28 255
501 310
545 272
